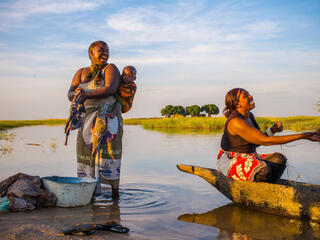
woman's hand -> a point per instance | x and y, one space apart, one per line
313 136
82 97
110 115
277 127
79 95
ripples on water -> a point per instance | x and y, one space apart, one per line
139 199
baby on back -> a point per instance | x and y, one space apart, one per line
128 75
126 91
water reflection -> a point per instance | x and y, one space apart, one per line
106 213
46 223
186 131
87 214
235 222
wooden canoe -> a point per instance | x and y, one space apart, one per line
285 198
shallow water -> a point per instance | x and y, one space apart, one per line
157 201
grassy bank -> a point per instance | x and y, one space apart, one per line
213 124
185 123
297 123
5 124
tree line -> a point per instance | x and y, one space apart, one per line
194 110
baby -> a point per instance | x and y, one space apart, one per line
126 91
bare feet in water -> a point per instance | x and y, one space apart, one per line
115 194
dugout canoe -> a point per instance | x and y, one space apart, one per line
285 198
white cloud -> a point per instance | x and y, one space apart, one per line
149 25
265 27
188 25
185 54
24 8
65 46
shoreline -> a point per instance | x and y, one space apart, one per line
215 124
47 223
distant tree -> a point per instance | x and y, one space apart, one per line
318 106
167 110
163 112
193 110
210 109
179 110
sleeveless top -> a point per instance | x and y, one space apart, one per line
236 143
91 86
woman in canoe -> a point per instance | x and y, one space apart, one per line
237 157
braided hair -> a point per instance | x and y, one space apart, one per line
231 101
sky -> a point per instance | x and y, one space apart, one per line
186 53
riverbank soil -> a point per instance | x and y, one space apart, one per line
47 223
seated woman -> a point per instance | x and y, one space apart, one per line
238 158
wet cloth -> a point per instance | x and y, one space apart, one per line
125 95
4 204
76 113
99 142
240 166
25 193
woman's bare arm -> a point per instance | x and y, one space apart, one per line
75 83
238 126
112 80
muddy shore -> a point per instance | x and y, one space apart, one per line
47 223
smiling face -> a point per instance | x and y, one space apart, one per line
99 54
245 100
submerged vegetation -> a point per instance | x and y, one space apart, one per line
7 136
5 142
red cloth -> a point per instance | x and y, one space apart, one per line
244 166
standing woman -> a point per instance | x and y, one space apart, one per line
237 157
99 142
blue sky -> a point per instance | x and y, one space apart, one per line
186 52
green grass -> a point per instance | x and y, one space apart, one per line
299 123
216 124
186 124
6 124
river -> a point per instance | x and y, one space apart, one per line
157 201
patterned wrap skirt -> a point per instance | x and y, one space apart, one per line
240 166
107 163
